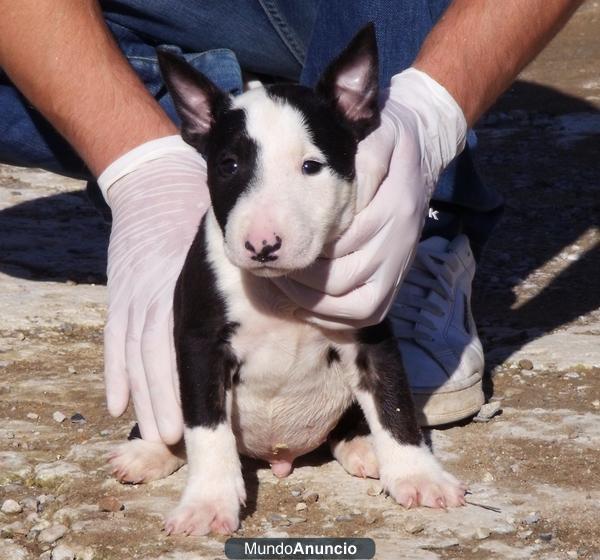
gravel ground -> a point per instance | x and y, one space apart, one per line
533 468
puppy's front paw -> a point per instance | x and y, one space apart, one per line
216 510
421 481
356 456
202 517
138 461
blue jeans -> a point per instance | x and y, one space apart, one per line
287 39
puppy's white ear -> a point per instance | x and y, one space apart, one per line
197 100
351 82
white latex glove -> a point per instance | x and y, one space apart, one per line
354 283
157 194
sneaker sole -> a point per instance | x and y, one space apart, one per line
434 409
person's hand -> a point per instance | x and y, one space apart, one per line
355 281
157 194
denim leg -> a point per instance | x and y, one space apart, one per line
461 202
268 36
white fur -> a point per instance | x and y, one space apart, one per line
215 487
411 474
305 211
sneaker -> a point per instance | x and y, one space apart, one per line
436 333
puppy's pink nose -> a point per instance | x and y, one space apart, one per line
263 248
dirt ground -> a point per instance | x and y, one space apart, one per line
533 470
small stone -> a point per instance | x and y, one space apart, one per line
488 411
62 552
525 364
374 489
12 529
45 555
572 554
310 497
488 477
596 403
571 375
482 533
71 369
13 551
45 499
279 520
65 515
52 534
532 518
525 534
11 506
276 535
297 490
40 526
110 503
546 537
59 417
371 517
296 520
20 336
105 433
10 435
343 518
301 506
414 526
86 553
78 418
29 503
32 416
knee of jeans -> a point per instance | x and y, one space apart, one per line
220 66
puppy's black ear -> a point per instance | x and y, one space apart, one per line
197 100
351 82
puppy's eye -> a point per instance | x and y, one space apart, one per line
228 166
311 167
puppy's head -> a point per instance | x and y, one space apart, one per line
280 159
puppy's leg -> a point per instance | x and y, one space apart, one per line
215 487
137 461
409 471
352 446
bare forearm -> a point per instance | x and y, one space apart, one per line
62 57
479 46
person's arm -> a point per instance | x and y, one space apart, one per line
470 57
62 57
478 47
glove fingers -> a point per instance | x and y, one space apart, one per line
140 394
115 374
372 162
353 307
158 365
336 277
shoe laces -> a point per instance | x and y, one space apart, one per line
431 272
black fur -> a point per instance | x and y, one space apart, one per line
332 134
205 361
382 375
333 356
362 47
228 139
350 425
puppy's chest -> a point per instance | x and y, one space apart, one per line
293 384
